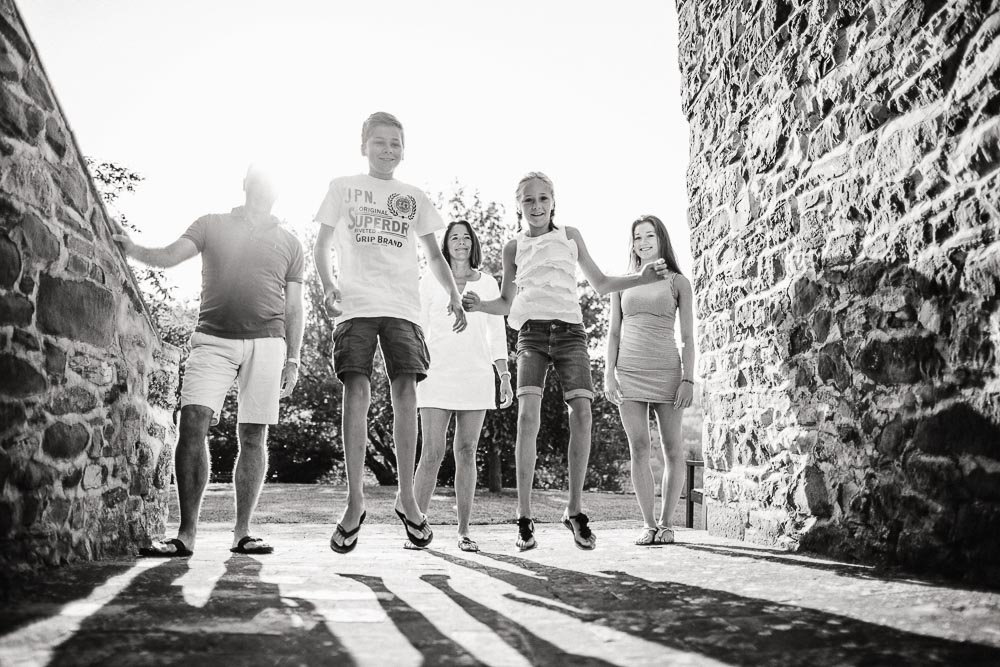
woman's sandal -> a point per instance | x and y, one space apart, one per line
345 535
648 537
466 543
526 534
664 535
422 526
583 537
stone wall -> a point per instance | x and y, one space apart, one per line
86 385
845 214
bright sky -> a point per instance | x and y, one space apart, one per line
187 93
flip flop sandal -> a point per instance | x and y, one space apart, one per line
180 550
583 537
344 547
242 548
664 535
467 544
526 534
648 537
410 546
422 526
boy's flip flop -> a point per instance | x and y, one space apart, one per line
180 550
343 547
243 547
414 537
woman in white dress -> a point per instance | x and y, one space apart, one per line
460 378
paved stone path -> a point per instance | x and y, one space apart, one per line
701 601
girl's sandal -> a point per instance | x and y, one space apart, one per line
526 534
467 544
648 537
664 535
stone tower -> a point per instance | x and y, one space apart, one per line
86 385
845 215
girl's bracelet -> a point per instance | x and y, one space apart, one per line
690 382
505 373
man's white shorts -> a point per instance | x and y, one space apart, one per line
255 364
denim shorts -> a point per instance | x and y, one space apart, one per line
401 341
564 345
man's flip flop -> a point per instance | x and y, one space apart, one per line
414 537
242 548
180 550
344 547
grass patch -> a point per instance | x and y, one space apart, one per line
319 503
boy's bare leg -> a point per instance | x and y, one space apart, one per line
357 399
248 476
191 465
529 415
404 433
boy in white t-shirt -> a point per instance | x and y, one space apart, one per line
373 222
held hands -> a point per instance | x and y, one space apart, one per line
455 308
506 393
289 376
612 391
471 301
331 299
655 270
684 395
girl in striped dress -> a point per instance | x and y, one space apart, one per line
645 369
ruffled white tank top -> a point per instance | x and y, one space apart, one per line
546 279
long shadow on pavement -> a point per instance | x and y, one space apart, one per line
245 621
435 647
537 650
732 628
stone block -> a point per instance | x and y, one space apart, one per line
10 263
19 378
15 309
42 244
13 115
892 361
26 340
65 441
72 401
30 476
55 137
72 479
78 310
73 185
93 477
726 521
811 494
55 363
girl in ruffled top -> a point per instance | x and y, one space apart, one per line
538 293
644 369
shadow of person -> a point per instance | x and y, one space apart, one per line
732 628
28 598
435 646
245 621
538 651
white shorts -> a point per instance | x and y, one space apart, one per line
255 364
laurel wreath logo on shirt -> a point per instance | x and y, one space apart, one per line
403 205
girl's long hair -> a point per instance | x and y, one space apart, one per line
666 248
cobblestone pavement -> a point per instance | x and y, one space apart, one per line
701 601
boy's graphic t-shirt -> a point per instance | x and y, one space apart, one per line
376 224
